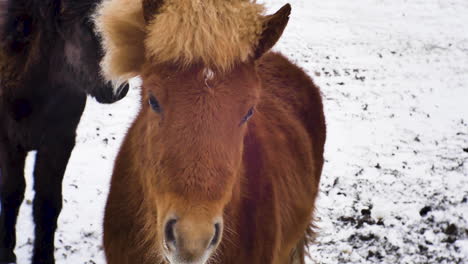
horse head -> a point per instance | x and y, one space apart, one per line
83 50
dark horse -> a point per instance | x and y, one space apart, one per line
49 62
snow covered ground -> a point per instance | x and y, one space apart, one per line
394 77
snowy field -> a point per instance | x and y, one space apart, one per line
394 77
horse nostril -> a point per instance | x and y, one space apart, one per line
122 90
216 236
169 234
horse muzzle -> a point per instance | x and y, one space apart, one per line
190 242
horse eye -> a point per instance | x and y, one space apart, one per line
247 116
153 102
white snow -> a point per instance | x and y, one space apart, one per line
394 77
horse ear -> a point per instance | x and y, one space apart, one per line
273 28
150 9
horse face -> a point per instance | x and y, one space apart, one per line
83 51
198 120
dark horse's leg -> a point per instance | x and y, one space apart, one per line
51 162
12 186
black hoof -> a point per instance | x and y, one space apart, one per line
44 257
43 261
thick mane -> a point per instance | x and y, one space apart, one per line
122 28
218 33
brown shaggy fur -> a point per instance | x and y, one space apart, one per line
190 158
218 33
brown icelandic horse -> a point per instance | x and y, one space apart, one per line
223 162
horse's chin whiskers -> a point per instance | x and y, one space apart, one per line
214 257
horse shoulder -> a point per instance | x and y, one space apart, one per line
292 86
